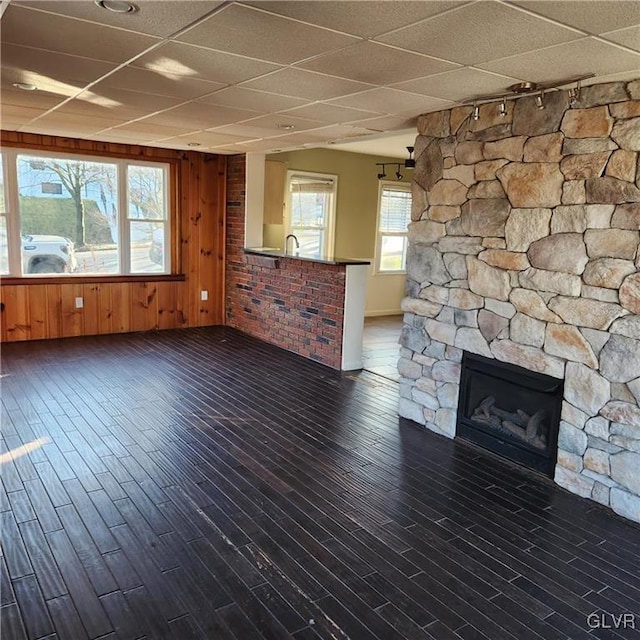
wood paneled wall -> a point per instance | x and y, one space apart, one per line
42 309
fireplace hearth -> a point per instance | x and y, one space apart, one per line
510 411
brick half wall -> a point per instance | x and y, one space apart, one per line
294 304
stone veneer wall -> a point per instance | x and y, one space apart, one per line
524 247
297 306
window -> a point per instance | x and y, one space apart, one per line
394 216
311 211
78 215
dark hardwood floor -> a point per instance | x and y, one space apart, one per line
201 484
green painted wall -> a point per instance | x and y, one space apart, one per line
357 203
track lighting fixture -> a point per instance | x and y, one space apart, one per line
399 176
527 88
409 163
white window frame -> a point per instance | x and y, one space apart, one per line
12 205
126 216
394 186
329 227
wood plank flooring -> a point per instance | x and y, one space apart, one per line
201 484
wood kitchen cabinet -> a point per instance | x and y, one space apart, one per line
274 179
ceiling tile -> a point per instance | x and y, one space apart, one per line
70 36
46 68
264 36
63 89
293 140
57 130
384 65
206 139
339 132
392 101
329 113
73 122
588 55
184 60
363 18
629 37
109 136
623 76
148 131
102 102
270 145
459 84
32 99
13 116
390 146
594 16
170 143
259 101
199 116
242 130
163 84
480 32
305 84
387 123
269 126
161 18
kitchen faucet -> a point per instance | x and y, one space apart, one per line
286 242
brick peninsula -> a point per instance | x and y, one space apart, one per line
305 304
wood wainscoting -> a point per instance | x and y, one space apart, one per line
45 307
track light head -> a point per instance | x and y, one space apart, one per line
574 94
540 101
382 175
476 112
503 108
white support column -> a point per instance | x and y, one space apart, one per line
254 200
353 323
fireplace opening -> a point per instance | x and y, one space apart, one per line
510 411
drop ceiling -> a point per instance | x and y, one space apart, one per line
236 77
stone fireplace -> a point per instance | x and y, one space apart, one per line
524 249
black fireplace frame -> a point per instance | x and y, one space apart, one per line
521 453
